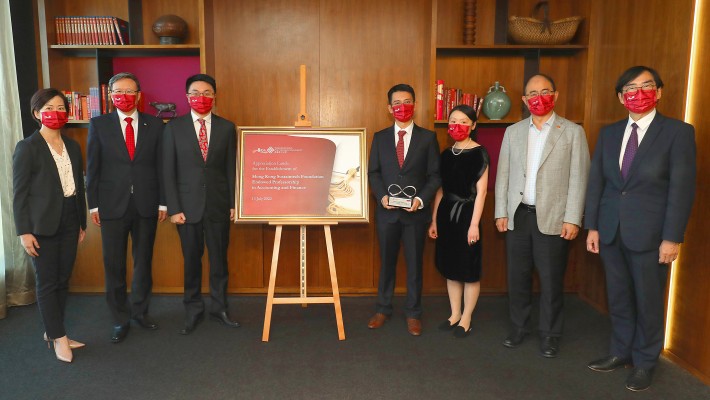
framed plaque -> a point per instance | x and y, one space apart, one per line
302 174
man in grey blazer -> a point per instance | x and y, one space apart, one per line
641 191
540 188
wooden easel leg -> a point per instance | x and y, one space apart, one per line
302 263
272 284
334 283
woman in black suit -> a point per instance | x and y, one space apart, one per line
49 207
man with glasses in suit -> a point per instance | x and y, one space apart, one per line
641 192
199 169
540 186
125 197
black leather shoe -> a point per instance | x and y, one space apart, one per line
145 323
119 333
640 379
223 318
191 324
446 325
609 363
549 346
514 339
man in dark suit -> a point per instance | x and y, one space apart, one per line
124 194
404 163
199 167
640 194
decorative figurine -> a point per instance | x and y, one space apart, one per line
171 29
164 107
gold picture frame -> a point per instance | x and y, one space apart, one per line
297 174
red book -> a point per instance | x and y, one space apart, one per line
104 99
56 30
83 30
63 30
439 100
94 30
451 101
75 30
105 30
121 30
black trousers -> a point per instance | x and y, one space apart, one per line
412 236
527 247
53 268
192 239
114 237
636 290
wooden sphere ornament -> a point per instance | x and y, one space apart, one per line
170 28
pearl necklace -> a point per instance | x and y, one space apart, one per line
462 149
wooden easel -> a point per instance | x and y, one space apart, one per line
303 299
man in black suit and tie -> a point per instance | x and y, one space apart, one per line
125 196
640 194
404 163
199 167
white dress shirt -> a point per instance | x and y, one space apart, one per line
536 144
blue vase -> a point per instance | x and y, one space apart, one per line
496 104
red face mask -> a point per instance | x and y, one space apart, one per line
124 102
54 119
201 104
459 132
403 112
641 101
541 105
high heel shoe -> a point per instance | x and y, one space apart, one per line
447 326
460 333
73 344
62 349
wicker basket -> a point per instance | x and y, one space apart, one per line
525 30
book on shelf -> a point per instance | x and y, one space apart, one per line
91 30
447 98
83 107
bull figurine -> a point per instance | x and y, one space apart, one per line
164 107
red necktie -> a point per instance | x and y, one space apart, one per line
130 138
203 139
400 148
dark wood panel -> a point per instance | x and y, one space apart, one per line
691 320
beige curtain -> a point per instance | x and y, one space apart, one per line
17 285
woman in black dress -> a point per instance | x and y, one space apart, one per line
458 207
49 207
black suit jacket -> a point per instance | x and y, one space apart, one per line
655 201
420 169
111 175
193 186
37 190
